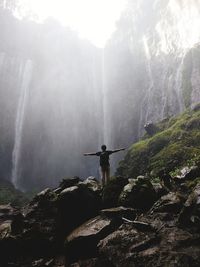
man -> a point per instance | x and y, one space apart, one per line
104 162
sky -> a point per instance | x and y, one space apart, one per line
92 19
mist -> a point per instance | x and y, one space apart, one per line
62 96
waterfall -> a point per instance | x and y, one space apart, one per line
195 78
104 101
26 78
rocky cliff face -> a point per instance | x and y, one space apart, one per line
152 66
61 96
146 220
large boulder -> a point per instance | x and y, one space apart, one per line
77 204
190 213
112 191
82 242
172 203
166 246
138 193
188 173
151 128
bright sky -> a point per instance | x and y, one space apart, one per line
92 19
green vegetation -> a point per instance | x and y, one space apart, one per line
8 194
176 145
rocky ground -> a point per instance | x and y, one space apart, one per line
131 222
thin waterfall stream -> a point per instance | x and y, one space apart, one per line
26 78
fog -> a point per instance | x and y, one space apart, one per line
51 102
61 96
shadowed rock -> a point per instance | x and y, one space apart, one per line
150 128
190 213
138 193
82 242
188 173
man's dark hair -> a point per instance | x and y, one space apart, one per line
103 147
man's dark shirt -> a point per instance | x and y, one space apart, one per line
104 157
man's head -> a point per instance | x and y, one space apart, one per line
103 147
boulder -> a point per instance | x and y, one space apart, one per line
5 229
188 173
68 182
92 184
122 245
190 213
138 193
171 203
82 242
150 128
112 191
169 246
76 205
6 212
119 212
196 107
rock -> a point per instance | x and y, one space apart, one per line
168 203
150 128
160 190
190 213
138 193
94 262
119 212
112 191
76 205
6 212
196 107
82 242
92 184
68 182
17 223
125 242
5 229
189 173
166 179
129 247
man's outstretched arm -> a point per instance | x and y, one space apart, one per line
90 154
117 150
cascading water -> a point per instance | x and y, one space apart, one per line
104 102
26 78
93 96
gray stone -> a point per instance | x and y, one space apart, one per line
82 242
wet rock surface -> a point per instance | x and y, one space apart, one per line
72 226
138 193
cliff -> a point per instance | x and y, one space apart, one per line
143 220
176 144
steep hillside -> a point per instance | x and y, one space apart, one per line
8 194
175 145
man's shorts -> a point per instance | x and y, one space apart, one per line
105 168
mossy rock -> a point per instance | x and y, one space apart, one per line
176 145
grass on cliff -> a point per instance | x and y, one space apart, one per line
9 195
177 144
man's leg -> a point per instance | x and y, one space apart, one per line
107 175
103 176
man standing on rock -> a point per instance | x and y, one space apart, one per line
104 162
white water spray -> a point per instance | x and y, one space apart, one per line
26 78
105 122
